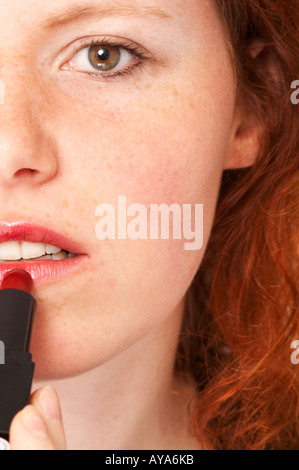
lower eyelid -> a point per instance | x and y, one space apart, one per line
109 76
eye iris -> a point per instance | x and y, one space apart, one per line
104 58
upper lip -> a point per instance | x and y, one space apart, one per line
30 232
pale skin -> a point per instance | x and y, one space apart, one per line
105 337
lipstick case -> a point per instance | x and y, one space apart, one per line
17 309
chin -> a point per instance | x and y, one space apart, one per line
54 364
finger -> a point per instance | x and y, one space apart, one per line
46 401
29 432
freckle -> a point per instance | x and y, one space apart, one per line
65 204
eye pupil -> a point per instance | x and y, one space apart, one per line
104 58
103 54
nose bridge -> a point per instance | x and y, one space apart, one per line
28 148
18 128
16 84
24 142
19 81
2 92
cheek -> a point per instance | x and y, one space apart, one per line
147 150
151 155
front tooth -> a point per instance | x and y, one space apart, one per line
32 250
52 249
10 250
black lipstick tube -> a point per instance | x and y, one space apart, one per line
17 309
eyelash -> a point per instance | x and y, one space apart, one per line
129 70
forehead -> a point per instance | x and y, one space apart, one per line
60 12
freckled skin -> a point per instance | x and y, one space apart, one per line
158 137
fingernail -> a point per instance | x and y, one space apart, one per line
33 422
50 405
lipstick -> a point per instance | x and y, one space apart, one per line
17 309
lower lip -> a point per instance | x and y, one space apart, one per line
44 271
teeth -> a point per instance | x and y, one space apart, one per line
52 249
32 250
16 250
42 257
55 256
60 255
10 250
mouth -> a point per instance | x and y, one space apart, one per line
45 254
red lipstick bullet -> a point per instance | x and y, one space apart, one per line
17 279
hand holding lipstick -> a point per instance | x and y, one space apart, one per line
39 425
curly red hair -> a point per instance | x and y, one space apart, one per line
241 312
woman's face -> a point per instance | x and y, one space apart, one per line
160 133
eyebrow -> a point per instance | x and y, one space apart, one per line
97 12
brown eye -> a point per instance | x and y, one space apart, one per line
104 58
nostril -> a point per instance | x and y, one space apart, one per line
24 171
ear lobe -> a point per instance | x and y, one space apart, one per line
244 147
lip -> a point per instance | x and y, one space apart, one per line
41 271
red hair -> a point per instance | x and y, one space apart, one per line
241 312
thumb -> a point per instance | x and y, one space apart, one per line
39 425
28 431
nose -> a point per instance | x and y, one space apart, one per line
27 150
